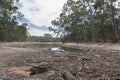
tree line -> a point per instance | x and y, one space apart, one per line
89 20
10 29
45 38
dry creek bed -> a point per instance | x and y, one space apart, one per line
85 63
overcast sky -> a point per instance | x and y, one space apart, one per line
39 14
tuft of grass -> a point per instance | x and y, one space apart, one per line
4 62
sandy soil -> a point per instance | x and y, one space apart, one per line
89 62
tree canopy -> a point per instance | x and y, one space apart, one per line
89 20
10 29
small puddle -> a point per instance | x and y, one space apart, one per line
40 46
52 47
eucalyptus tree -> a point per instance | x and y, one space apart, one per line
114 19
9 16
69 20
107 17
89 20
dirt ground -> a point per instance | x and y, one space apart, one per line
83 61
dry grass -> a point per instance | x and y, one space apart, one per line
93 64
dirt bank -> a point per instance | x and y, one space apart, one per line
91 62
103 46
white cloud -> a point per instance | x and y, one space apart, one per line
38 32
41 12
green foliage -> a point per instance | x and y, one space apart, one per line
45 38
89 20
10 30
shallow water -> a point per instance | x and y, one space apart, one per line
50 47
41 46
